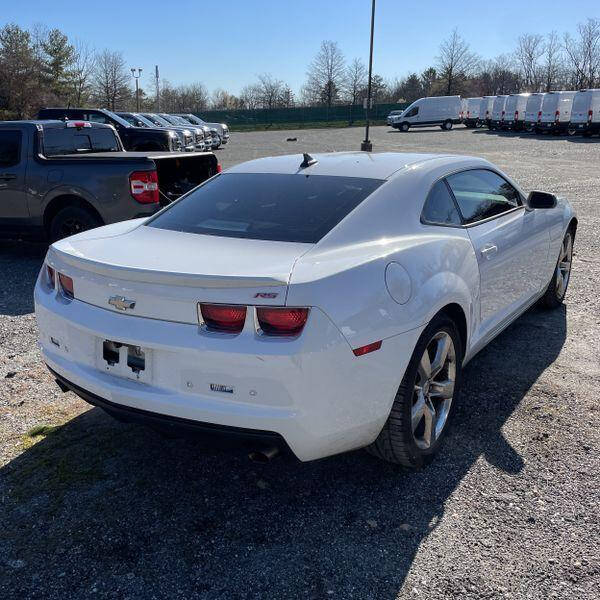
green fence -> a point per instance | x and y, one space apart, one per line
299 116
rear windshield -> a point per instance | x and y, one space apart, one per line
70 140
265 206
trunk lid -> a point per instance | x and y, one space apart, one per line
166 273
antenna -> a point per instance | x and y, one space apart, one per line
308 161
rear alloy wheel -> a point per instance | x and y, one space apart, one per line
425 400
404 127
557 288
71 220
447 125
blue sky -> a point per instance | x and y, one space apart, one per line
280 37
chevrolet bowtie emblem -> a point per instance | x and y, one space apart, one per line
121 303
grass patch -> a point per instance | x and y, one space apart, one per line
36 434
41 430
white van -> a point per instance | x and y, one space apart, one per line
471 111
533 111
514 111
585 115
498 111
425 112
485 110
556 111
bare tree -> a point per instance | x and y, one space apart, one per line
530 48
111 79
456 62
552 65
84 63
355 80
583 52
223 100
325 75
271 90
250 96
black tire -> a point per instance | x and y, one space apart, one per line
447 125
71 220
396 442
554 295
405 126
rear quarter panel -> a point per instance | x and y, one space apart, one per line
345 273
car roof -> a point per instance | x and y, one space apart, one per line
54 123
371 165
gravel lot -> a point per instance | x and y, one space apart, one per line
511 509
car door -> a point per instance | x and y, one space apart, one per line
511 243
13 162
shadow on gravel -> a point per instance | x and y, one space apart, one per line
116 511
20 263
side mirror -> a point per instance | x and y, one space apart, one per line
541 200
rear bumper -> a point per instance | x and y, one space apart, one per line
311 391
220 435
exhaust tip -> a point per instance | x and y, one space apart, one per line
264 455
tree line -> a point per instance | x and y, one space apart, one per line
43 67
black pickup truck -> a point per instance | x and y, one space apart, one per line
58 178
133 138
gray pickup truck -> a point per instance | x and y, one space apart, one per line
58 178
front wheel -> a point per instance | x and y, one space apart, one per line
425 401
404 127
557 288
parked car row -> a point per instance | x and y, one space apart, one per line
556 112
58 178
150 131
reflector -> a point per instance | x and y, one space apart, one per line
366 349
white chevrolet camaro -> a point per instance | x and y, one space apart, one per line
317 304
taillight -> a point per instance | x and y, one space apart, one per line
539 116
503 113
366 349
468 113
219 168
144 186
281 321
516 115
223 317
557 115
66 285
51 273
590 115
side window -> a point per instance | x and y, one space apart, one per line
96 118
413 112
439 207
481 194
104 140
10 148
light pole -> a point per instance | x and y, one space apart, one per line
137 86
366 144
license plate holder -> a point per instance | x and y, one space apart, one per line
124 360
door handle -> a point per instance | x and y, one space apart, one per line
7 176
489 250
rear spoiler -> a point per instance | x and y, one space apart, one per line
56 258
